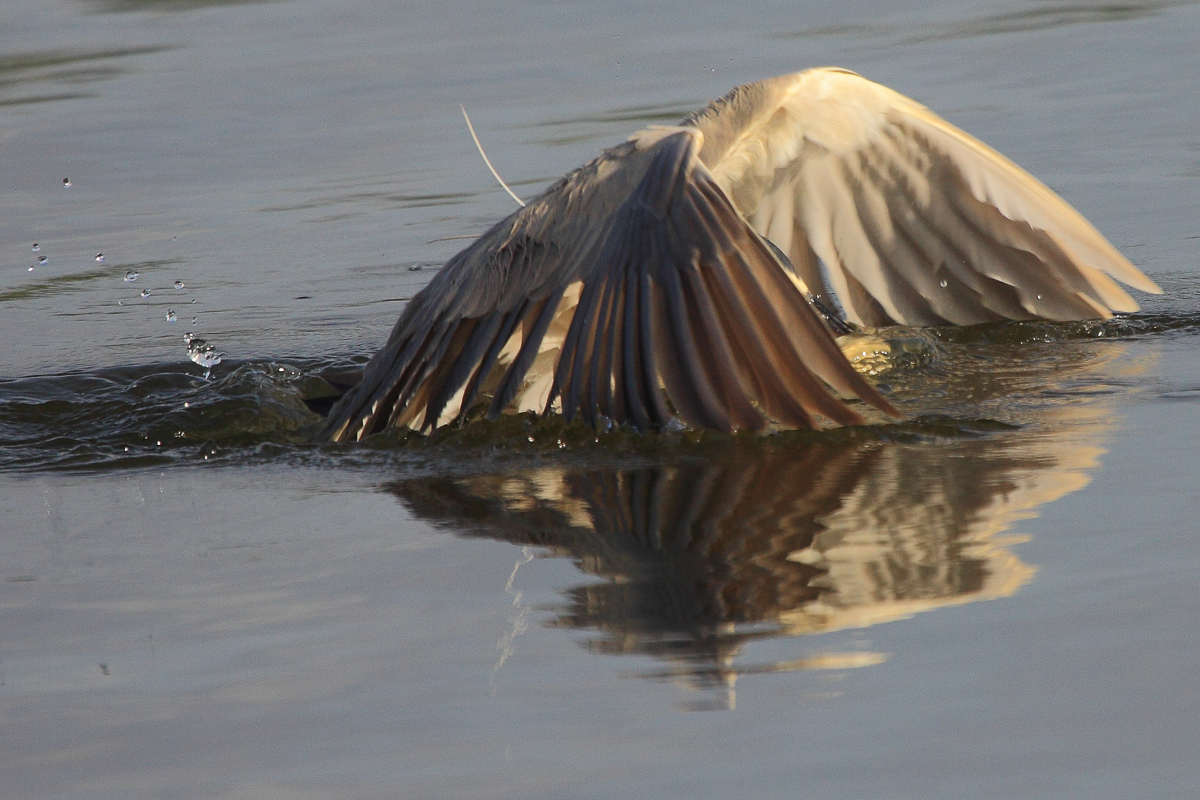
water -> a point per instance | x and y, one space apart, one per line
992 598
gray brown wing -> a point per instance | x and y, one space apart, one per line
665 302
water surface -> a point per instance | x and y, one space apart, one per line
991 598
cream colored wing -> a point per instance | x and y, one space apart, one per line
632 290
916 222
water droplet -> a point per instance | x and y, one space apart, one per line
159 443
178 284
145 292
126 449
193 300
36 247
31 269
944 284
41 259
131 276
415 268
67 182
187 405
1039 297
195 320
120 302
203 353
171 316
99 258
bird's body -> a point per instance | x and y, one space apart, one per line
654 283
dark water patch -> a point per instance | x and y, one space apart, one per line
13 66
1189 395
1043 16
590 126
78 281
47 98
659 112
382 199
20 72
126 6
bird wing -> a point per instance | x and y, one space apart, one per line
631 290
916 222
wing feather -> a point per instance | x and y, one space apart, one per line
539 320
675 308
895 201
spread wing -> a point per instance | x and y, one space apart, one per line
915 221
632 290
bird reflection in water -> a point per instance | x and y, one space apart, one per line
776 536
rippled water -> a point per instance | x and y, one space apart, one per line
199 600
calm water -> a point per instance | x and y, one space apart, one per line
198 602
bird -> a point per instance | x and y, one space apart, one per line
688 276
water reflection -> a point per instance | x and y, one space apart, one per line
771 537
122 6
1037 17
51 75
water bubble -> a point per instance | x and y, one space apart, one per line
30 269
67 182
944 284
131 276
99 258
178 284
203 353
171 316
41 259
145 292
36 247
